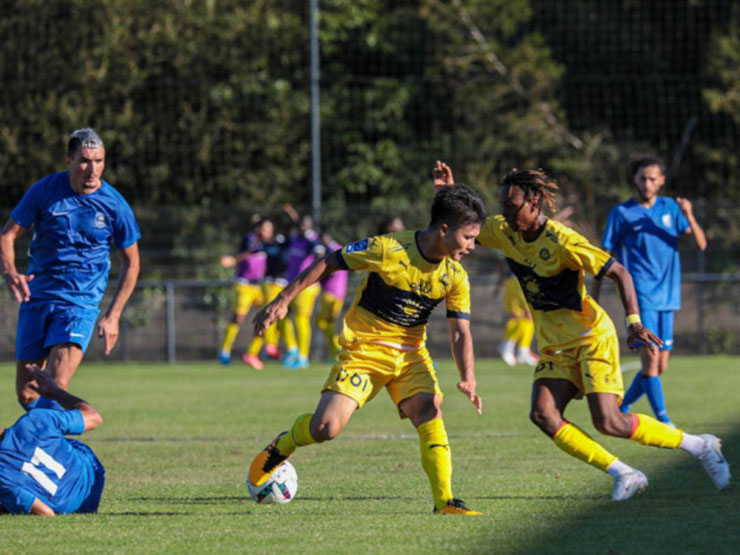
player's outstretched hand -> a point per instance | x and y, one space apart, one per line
468 389
43 383
442 176
108 332
639 333
269 314
18 285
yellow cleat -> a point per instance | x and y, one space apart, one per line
265 463
456 507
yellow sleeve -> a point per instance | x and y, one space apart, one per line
491 233
584 255
458 297
366 254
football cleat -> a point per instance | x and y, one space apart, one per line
713 462
224 357
265 463
289 357
628 485
253 361
297 363
456 507
271 351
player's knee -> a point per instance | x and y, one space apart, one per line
610 424
326 429
546 420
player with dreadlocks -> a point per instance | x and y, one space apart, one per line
579 349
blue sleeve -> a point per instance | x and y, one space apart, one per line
125 229
28 210
68 422
16 499
610 240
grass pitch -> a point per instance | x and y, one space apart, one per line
177 441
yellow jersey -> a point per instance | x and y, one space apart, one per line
550 270
393 303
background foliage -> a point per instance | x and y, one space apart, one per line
204 104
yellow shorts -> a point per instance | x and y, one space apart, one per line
593 368
330 307
247 294
303 304
366 368
270 290
514 301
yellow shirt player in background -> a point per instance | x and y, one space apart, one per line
384 335
519 331
579 350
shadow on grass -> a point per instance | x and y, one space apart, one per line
681 511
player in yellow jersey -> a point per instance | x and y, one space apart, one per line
579 351
519 330
384 337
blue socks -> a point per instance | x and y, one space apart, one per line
653 388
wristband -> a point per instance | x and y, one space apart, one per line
632 319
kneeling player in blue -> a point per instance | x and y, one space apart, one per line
642 234
41 471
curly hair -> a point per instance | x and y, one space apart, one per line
534 183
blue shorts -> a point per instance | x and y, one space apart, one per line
91 502
660 322
42 325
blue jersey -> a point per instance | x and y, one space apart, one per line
72 237
36 460
644 241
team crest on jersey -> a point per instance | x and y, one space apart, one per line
357 246
666 219
100 220
544 254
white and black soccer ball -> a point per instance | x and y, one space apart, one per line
281 487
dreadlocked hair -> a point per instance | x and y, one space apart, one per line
534 183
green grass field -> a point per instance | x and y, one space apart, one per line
177 441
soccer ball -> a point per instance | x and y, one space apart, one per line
281 487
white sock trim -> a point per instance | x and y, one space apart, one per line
692 444
617 468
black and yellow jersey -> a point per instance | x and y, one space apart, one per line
550 270
393 303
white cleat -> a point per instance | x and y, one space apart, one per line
527 357
628 485
714 462
507 354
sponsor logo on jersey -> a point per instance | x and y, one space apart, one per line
666 219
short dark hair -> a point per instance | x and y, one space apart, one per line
457 206
83 138
644 162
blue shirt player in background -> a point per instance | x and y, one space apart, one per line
76 218
642 234
41 471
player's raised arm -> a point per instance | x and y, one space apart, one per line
461 341
17 283
47 387
442 176
278 308
628 296
694 228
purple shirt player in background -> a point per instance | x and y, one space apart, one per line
642 234
250 263
76 218
333 293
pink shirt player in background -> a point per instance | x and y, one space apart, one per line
333 293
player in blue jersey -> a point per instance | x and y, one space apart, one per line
642 233
76 217
41 471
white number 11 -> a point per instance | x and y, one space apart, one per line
41 457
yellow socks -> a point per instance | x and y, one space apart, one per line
436 459
526 332
303 333
287 332
232 330
574 441
298 436
649 431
